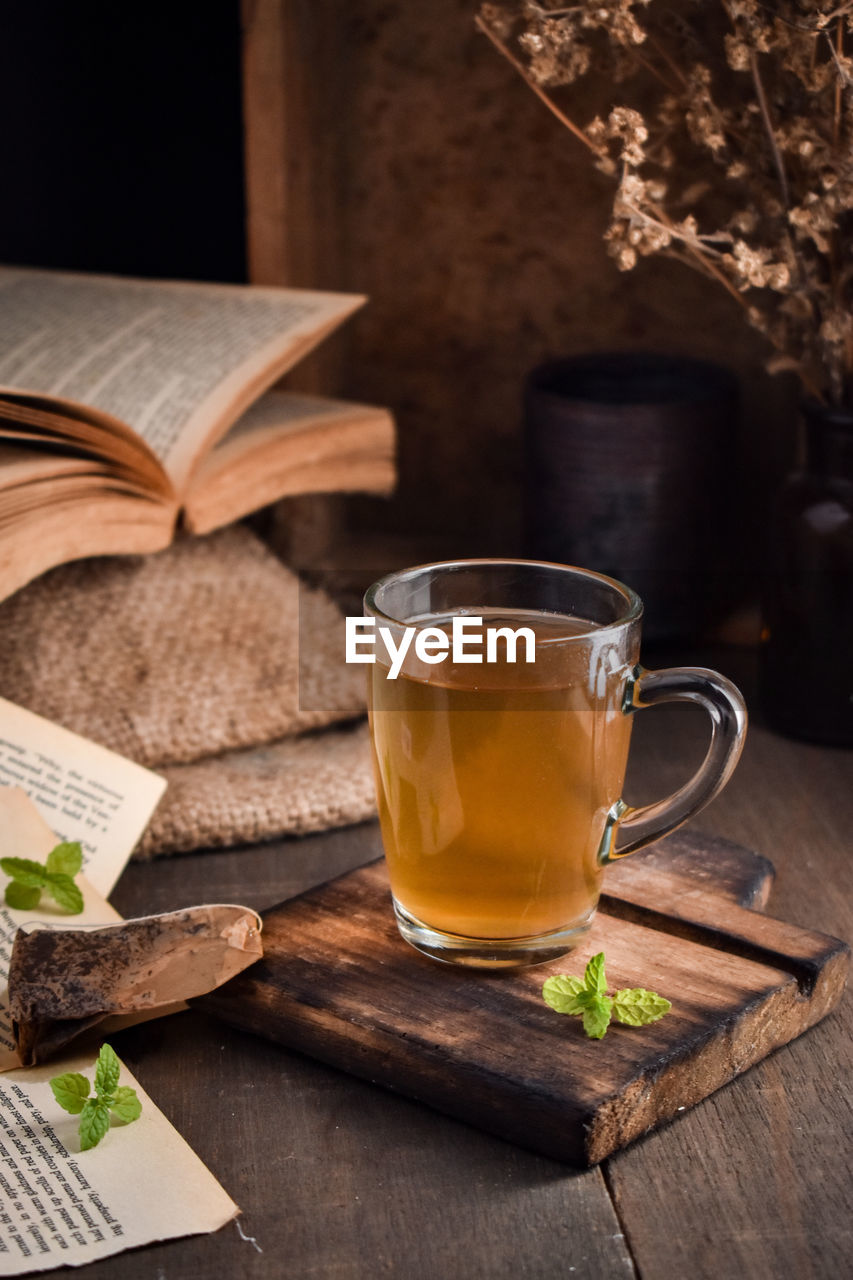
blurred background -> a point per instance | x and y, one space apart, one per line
378 147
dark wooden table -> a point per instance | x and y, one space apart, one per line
339 1180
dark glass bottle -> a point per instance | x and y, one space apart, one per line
806 667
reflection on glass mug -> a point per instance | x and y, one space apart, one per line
499 782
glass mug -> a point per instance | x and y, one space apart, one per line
499 783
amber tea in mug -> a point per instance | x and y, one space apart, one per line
499 783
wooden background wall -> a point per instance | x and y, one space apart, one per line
390 150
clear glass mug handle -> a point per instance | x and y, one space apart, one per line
727 709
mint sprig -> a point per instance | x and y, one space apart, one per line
29 879
587 998
110 1101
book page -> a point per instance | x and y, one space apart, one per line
290 443
58 426
286 412
60 1206
37 538
176 362
83 791
63 1207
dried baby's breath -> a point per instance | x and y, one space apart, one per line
741 167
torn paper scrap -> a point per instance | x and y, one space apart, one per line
96 911
63 1207
63 981
25 834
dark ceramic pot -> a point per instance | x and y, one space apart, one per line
629 471
806 658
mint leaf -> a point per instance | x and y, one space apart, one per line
66 893
596 1016
594 979
66 859
107 1070
94 1122
126 1105
29 878
588 998
637 1007
70 1091
561 993
24 871
21 896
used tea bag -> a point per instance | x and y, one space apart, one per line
63 981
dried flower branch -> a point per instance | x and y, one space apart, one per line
741 167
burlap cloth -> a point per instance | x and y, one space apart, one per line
211 664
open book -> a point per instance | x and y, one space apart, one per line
126 405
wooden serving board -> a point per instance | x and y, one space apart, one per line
337 982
